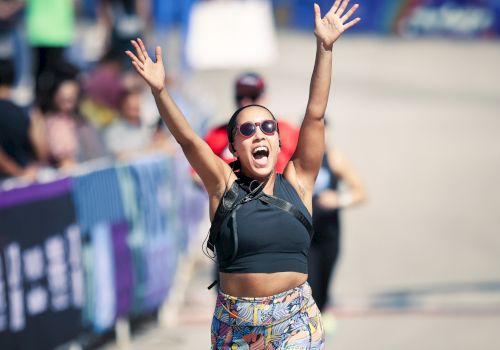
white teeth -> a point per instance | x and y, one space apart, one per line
261 148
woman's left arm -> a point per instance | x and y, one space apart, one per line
306 160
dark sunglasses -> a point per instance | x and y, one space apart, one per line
268 127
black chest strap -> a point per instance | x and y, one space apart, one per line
289 208
227 204
235 197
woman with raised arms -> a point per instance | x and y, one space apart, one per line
261 221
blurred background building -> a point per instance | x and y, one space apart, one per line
101 225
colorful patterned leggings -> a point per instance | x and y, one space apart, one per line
288 320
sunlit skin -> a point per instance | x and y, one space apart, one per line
217 176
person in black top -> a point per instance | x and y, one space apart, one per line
328 200
16 152
260 305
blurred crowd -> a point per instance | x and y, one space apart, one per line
67 91
69 96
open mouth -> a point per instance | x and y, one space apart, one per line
261 155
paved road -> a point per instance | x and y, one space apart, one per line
420 120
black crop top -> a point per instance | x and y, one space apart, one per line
268 238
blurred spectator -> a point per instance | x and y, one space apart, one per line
162 140
10 38
16 148
69 138
51 26
127 137
60 128
164 15
103 87
125 20
328 200
249 89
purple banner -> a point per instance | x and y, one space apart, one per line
35 192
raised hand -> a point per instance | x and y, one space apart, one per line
152 72
329 28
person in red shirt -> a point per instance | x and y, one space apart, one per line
249 89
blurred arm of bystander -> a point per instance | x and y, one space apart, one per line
354 193
37 136
9 8
8 165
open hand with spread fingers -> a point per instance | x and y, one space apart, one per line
152 72
329 28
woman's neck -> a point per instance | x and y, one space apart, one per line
269 181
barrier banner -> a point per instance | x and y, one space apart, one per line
99 203
157 255
459 18
411 18
41 275
77 253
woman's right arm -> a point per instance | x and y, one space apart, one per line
212 170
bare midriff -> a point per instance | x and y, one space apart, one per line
255 285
